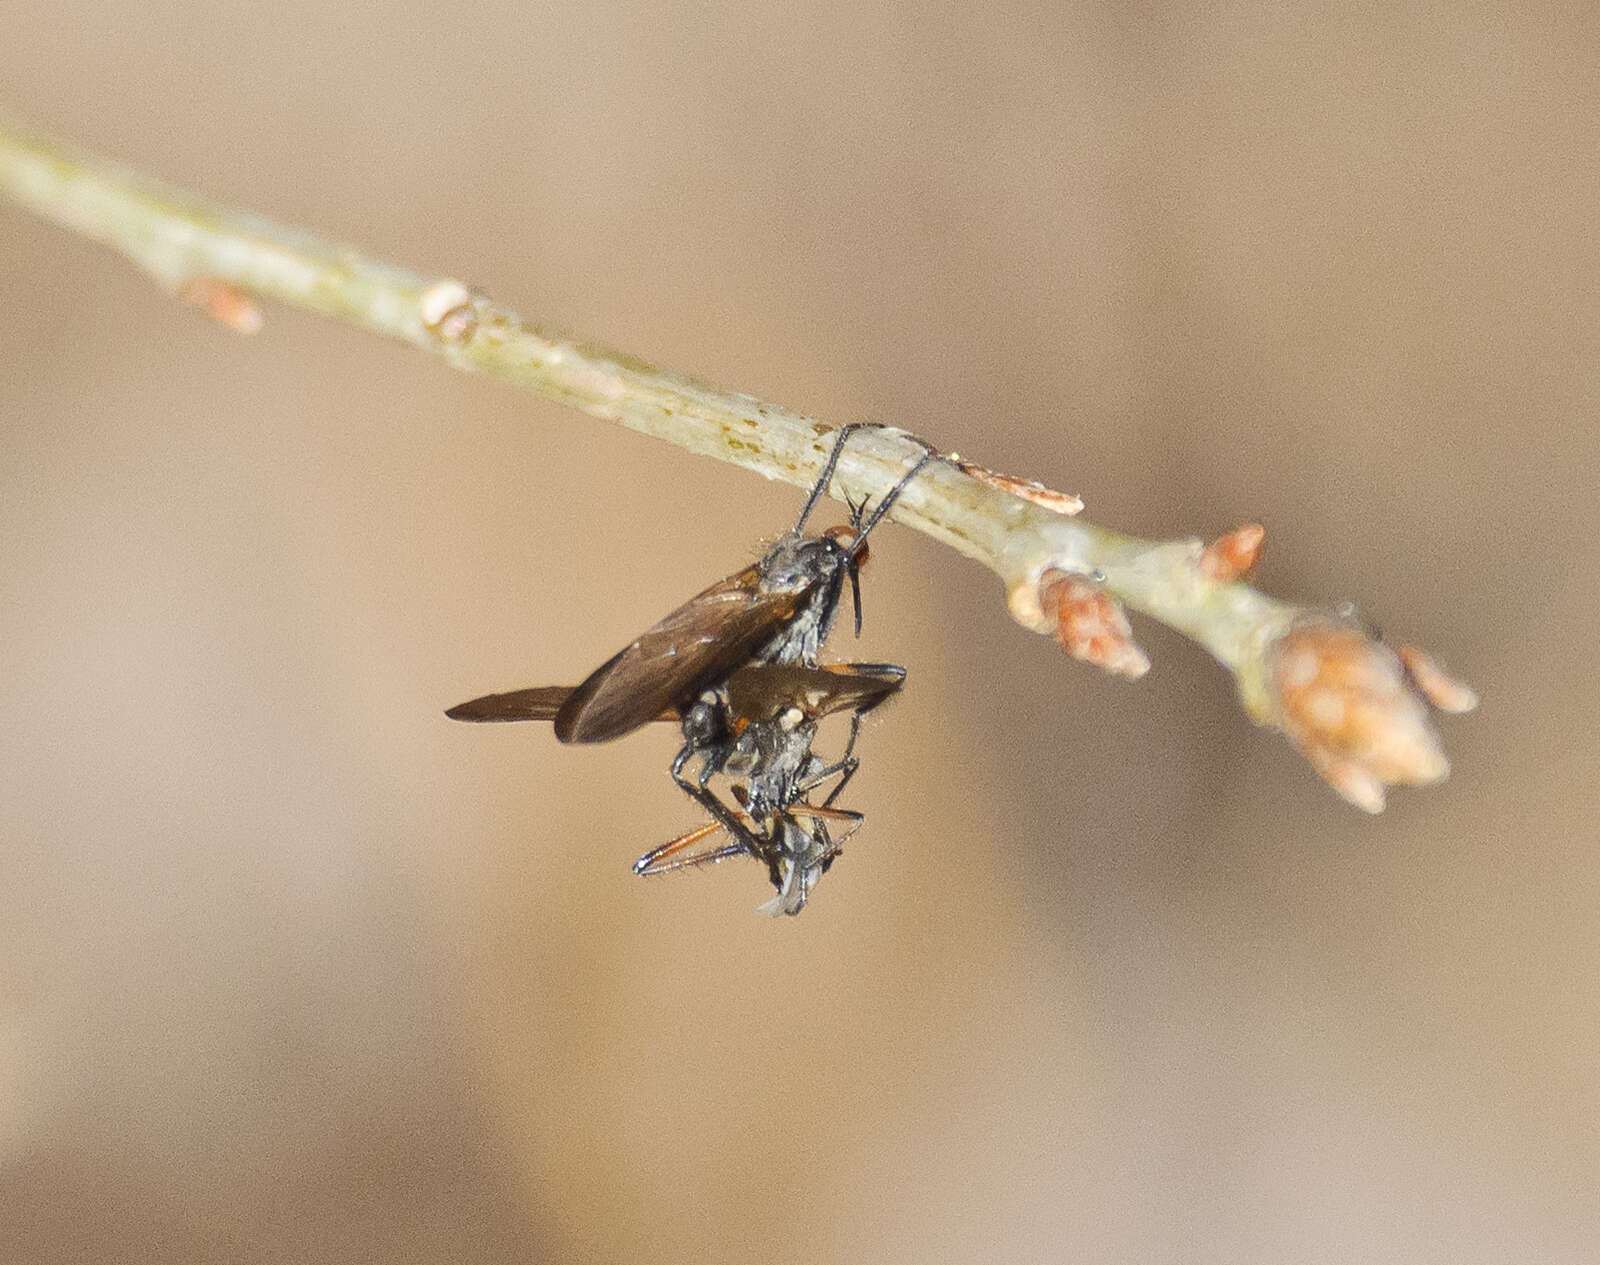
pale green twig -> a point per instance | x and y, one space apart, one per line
1020 531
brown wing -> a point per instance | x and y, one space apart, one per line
697 645
760 691
542 702
539 703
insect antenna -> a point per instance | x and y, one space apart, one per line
856 558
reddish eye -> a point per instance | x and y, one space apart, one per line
848 538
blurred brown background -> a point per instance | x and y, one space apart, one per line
295 970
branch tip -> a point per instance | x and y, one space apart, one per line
1356 710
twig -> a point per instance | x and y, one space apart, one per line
1348 701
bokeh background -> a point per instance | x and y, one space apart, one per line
292 969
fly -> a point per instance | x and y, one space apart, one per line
779 610
756 729
774 711
701 665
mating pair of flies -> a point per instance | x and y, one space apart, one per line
736 667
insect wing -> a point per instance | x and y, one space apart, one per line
759 692
697 645
541 702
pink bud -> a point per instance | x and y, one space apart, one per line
1353 709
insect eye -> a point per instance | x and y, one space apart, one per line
849 540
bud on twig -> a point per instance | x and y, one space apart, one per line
1091 624
223 302
1352 707
1444 691
1228 557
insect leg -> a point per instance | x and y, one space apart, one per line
845 765
826 477
820 815
725 817
893 494
676 855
